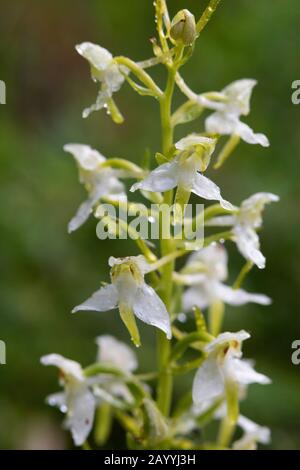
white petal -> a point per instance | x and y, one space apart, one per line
239 94
262 434
81 415
143 264
248 244
150 309
97 56
239 296
100 102
221 123
113 78
253 433
196 296
229 124
115 352
87 158
193 279
82 214
247 134
245 374
258 201
113 188
206 189
214 259
163 178
226 337
105 184
102 300
208 382
67 366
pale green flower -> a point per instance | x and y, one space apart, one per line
103 70
130 293
205 272
222 368
193 154
77 400
99 181
226 119
244 225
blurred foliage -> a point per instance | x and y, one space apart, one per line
45 272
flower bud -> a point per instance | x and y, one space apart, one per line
183 27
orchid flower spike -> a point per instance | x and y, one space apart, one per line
204 272
129 292
77 400
224 369
99 181
226 119
108 73
245 223
192 154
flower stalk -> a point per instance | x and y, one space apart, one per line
150 287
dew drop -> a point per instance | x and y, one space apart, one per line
182 317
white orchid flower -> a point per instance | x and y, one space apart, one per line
245 223
193 154
223 369
77 400
129 292
253 434
206 269
235 103
99 181
103 70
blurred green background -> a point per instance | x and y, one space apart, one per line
45 272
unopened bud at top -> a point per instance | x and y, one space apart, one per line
183 27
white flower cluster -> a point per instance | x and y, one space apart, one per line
223 376
83 394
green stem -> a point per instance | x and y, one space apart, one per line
184 343
216 315
126 165
161 13
143 76
243 273
206 16
226 432
165 381
227 150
